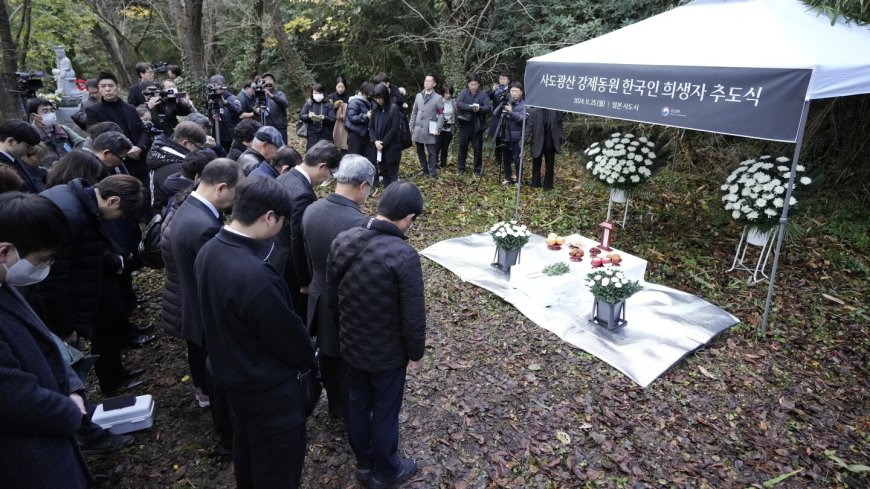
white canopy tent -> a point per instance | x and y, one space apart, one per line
740 67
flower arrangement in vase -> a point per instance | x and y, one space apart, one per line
610 288
509 238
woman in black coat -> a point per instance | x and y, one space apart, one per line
319 115
385 131
356 121
340 92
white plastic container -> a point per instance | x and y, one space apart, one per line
139 416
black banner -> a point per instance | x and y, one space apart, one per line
762 103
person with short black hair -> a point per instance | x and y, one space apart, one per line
257 344
385 131
193 224
166 155
16 138
340 94
111 148
191 167
472 106
276 100
40 395
428 109
357 121
57 138
243 137
322 222
173 72
509 137
319 115
134 93
290 257
449 123
81 296
100 128
284 160
80 117
374 279
9 179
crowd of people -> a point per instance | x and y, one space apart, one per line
264 282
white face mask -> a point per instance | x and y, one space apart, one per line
24 273
318 97
49 119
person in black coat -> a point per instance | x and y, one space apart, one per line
257 344
340 93
374 279
146 75
385 132
41 406
290 257
319 115
111 108
546 133
196 222
322 222
166 156
81 294
510 138
472 106
16 138
357 120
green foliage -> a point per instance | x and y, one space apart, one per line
857 11
556 269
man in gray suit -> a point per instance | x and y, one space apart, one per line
322 222
428 108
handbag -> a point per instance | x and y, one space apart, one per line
309 383
301 129
149 246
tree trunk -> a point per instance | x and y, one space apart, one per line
10 102
300 76
120 60
190 29
25 27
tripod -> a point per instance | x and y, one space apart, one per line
214 111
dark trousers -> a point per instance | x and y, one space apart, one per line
509 153
467 135
359 145
218 403
110 333
443 145
549 156
428 165
373 403
389 171
333 375
270 437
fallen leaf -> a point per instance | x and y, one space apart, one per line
534 367
565 438
707 373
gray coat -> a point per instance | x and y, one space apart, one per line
37 417
537 117
422 113
322 222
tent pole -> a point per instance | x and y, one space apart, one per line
520 170
784 217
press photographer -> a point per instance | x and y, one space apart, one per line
224 110
262 102
165 106
510 113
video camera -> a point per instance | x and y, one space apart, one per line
169 96
160 67
29 82
503 98
214 91
260 92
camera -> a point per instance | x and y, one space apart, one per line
214 91
504 98
160 67
29 82
168 97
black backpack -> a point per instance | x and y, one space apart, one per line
149 247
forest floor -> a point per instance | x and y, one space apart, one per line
501 402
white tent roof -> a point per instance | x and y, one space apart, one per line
770 34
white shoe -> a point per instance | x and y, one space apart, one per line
202 399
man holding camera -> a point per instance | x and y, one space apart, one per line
223 107
146 76
271 102
165 106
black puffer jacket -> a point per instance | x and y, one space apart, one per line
375 280
70 294
164 159
171 307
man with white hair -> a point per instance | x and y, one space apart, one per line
322 222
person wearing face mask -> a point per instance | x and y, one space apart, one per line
322 222
16 138
58 139
319 115
374 279
81 295
40 395
257 343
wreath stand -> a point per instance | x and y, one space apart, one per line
619 197
751 237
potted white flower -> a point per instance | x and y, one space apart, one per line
611 288
509 238
622 162
754 194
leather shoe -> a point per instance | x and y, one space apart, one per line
363 475
407 468
108 442
128 384
141 340
132 374
139 329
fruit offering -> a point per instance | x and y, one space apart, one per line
575 253
614 258
594 251
553 241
